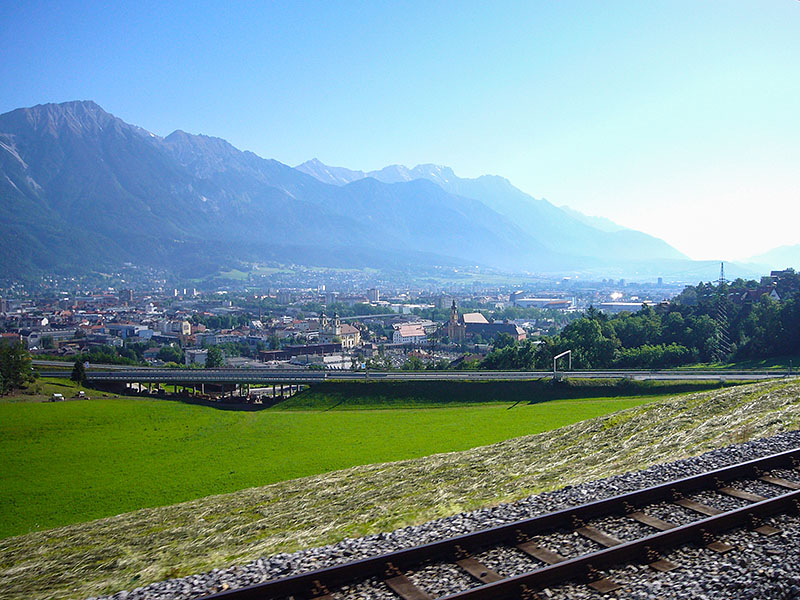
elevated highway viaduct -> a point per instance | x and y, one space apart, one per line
270 376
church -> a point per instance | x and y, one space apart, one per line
329 329
470 325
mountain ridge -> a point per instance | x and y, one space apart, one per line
551 225
84 190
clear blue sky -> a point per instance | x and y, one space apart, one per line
679 118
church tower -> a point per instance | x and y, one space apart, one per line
455 327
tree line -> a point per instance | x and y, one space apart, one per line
684 331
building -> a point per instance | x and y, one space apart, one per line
181 327
10 339
151 354
35 339
472 325
195 357
289 352
556 303
352 300
333 330
618 307
373 295
409 333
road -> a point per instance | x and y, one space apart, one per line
145 375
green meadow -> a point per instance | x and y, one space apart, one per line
78 460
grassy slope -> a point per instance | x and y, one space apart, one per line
128 550
70 462
422 394
777 363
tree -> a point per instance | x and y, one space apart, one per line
414 363
170 354
274 342
503 340
78 372
15 368
214 358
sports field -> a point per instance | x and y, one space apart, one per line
73 461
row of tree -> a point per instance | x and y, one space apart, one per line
687 330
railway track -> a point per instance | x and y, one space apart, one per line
632 528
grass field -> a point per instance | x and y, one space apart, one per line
132 549
73 461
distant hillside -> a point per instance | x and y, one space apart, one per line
600 223
332 175
559 230
779 258
83 190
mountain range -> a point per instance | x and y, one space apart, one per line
82 190
780 257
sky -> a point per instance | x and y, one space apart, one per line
677 118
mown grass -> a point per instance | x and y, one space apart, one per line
437 394
74 461
132 549
776 363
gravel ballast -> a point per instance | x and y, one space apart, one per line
759 567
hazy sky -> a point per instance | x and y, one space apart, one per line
679 118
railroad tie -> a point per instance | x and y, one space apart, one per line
712 543
709 511
543 554
478 570
654 560
597 581
598 536
651 521
780 481
741 494
319 591
757 525
405 588
697 507
767 530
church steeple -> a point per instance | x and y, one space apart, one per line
456 328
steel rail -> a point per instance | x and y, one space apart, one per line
304 584
640 551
